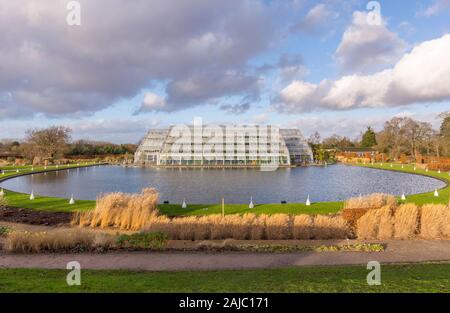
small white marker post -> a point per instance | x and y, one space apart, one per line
308 202
251 205
32 195
184 204
403 197
72 200
436 193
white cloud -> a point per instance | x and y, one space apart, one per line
420 76
316 19
291 67
152 102
364 47
437 7
49 67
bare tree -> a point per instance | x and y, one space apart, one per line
315 138
49 142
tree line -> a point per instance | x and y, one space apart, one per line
399 136
55 142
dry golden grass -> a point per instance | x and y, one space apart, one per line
434 221
278 226
250 226
302 226
386 227
367 225
373 201
55 240
406 221
258 228
121 210
330 227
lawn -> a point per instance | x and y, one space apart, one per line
62 205
422 198
21 200
394 278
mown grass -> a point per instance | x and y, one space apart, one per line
43 203
273 208
394 278
421 198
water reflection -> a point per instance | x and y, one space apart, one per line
331 183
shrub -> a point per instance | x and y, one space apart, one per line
154 241
120 210
4 231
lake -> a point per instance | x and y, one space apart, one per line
331 183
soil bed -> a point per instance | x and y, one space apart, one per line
34 217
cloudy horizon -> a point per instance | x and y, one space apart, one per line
316 65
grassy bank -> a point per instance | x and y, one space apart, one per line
395 278
44 203
62 205
422 198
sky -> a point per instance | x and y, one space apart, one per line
330 66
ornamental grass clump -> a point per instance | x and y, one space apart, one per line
330 227
406 221
51 241
278 226
302 227
372 201
121 210
434 221
386 226
368 224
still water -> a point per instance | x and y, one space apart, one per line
331 183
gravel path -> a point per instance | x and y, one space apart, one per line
397 251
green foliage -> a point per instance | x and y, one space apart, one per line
152 241
369 138
82 147
4 231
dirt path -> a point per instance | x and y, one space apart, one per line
397 251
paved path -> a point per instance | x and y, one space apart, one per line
397 251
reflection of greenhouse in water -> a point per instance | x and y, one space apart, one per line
223 146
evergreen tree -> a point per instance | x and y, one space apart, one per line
369 138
